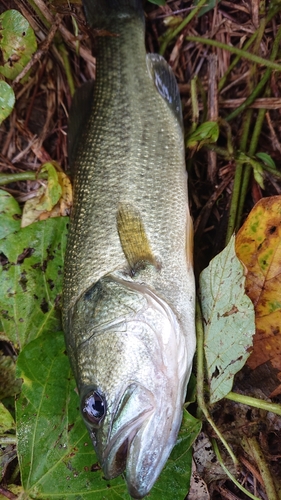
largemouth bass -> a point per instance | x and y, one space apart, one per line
128 296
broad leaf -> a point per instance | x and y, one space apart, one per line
258 245
31 277
229 321
57 459
10 214
7 100
17 43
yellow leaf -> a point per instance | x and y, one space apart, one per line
53 199
258 246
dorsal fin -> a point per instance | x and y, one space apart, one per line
133 238
78 116
165 82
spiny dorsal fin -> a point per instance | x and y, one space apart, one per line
165 82
133 238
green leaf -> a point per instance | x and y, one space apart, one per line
206 133
210 5
229 320
10 214
6 420
17 43
57 459
31 280
258 173
266 159
158 2
7 100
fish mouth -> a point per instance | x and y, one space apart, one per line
136 442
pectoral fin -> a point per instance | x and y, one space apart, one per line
133 238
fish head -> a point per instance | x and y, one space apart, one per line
133 371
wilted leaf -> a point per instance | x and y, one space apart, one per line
31 278
53 199
206 133
17 43
7 100
229 321
57 459
258 246
10 214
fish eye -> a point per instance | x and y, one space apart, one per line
93 407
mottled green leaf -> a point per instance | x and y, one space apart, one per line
7 100
17 43
10 214
229 320
31 278
57 459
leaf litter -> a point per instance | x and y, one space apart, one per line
35 133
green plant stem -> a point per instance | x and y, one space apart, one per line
200 381
253 449
259 87
67 68
256 403
24 176
228 473
182 25
245 47
248 169
238 178
243 53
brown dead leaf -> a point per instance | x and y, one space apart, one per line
258 246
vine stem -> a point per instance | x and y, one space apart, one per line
200 381
23 176
252 447
256 403
228 473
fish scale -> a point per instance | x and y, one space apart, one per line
128 294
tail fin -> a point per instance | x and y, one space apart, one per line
101 14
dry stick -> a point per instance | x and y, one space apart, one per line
39 53
68 37
234 50
182 25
